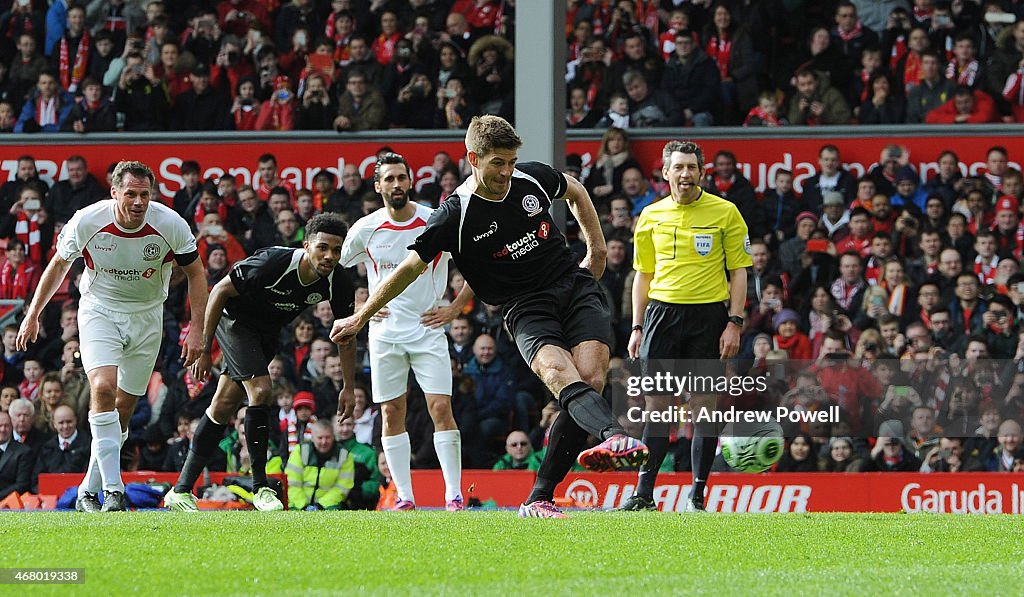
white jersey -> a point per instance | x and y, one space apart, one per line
127 271
382 244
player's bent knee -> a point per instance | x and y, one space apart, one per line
261 395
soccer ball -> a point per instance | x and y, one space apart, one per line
752 448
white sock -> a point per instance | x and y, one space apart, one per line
92 482
106 449
398 453
448 445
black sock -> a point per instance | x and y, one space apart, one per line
589 409
565 441
656 438
257 434
702 453
208 434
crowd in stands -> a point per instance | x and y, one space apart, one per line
353 65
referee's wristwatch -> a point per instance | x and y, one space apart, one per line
737 320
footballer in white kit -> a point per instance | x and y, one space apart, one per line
129 245
408 336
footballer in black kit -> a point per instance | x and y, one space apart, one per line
512 254
248 309
498 230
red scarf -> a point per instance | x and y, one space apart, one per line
797 346
872 272
71 75
29 389
899 49
723 185
719 49
865 84
27 231
766 118
852 34
986 272
14 283
912 74
245 120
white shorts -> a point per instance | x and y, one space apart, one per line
427 357
128 341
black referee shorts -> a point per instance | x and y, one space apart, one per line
682 333
565 314
247 351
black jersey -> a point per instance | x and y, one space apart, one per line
505 249
270 294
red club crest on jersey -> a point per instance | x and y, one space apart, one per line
545 228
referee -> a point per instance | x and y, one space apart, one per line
683 249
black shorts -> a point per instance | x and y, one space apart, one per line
247 351
571 311
682 333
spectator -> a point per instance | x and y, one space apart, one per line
788 336
892 159
1000 460
650 108
79 190
930 92
491 85
47 109
76 384
454 107
964 69
850 386
278 113
245 108
321 474
297 421
19 275
816 103
831 176
493 387
70 56
1004 71
367 480
414 106
360 109
636 55
65 452
325 390
519 454
16 461
102 56
26 67
638 189
967 310
731 50
617 114
766 112
860 88
728 183
143 101
693 80
884 106
799 456
202 108
841 457
23 417
48 399
889 453
293 16
270 179
966 107
92 113
361 60
460 333
613 159
579 114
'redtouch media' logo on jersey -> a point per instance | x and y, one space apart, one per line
519 248
127 275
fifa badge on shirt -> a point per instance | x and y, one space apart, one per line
746 244
702 242
532 205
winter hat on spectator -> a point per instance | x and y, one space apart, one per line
574 163
806 215
892 428
1006 203
765 336
783 316
832 198
201 70
905 173
210 248
836 440
303 399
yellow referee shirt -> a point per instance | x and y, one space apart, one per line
688 248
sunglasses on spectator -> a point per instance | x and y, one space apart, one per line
518 444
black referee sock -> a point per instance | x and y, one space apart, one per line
565 441
208 434
589 409
257 434
656 438
702 453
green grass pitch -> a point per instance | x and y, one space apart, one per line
495 553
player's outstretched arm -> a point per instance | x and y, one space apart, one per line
590 226
219 296
392 286
48 285
198 295
347 397
439 316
